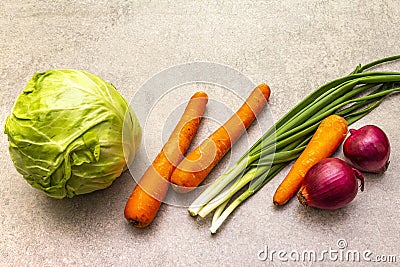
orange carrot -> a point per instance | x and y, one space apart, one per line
326 139
195 167
145 200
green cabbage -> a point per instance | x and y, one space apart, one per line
71 133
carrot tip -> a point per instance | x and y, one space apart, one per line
137 224
265 90
200 94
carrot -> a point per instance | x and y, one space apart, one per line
195 167
145 200
326 139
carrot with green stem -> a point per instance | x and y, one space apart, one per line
195 167
326 139
145 200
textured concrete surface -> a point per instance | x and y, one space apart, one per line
293 45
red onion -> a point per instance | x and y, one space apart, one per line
330 184
368 149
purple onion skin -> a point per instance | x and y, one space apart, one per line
368 149
330 184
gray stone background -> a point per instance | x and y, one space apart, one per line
294 46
